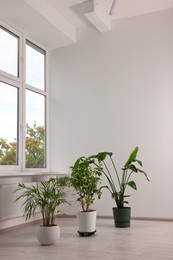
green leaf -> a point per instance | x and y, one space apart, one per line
132 184
133 168
101 156
126 196
138 161
132 157
144 174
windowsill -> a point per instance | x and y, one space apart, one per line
18 177
26 174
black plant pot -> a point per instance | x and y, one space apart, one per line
122 217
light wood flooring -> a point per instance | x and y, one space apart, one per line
149 240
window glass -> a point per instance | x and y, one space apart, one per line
22 102
35 66
9 124
35 130
9 52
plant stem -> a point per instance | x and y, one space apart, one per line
115 171
129 176
111 179
108 176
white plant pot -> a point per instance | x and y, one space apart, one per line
48 235
87 221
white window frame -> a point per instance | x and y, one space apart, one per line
19 82
20 50
20 135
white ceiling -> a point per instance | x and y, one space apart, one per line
54 23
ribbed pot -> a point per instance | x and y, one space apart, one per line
86 221
122 217
48 235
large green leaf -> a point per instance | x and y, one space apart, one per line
132 184
101 156
132 157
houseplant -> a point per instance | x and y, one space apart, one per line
118 183
45 196
85 179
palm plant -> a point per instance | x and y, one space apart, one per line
118 184
45 196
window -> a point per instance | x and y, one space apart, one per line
35 66
23 99
9 61
35 137
35 130
9 128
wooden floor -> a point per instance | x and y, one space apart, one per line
147 240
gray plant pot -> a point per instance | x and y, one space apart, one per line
122 217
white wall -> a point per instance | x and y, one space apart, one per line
10 210
112 92
11 213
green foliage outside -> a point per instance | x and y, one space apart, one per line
7 152
35 148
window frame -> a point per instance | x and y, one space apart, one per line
20 53
20 83
20 139
45 94
42 51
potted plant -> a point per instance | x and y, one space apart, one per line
45 196
85 178
118 183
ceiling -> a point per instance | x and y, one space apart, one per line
55 23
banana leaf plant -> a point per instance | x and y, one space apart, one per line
119 182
